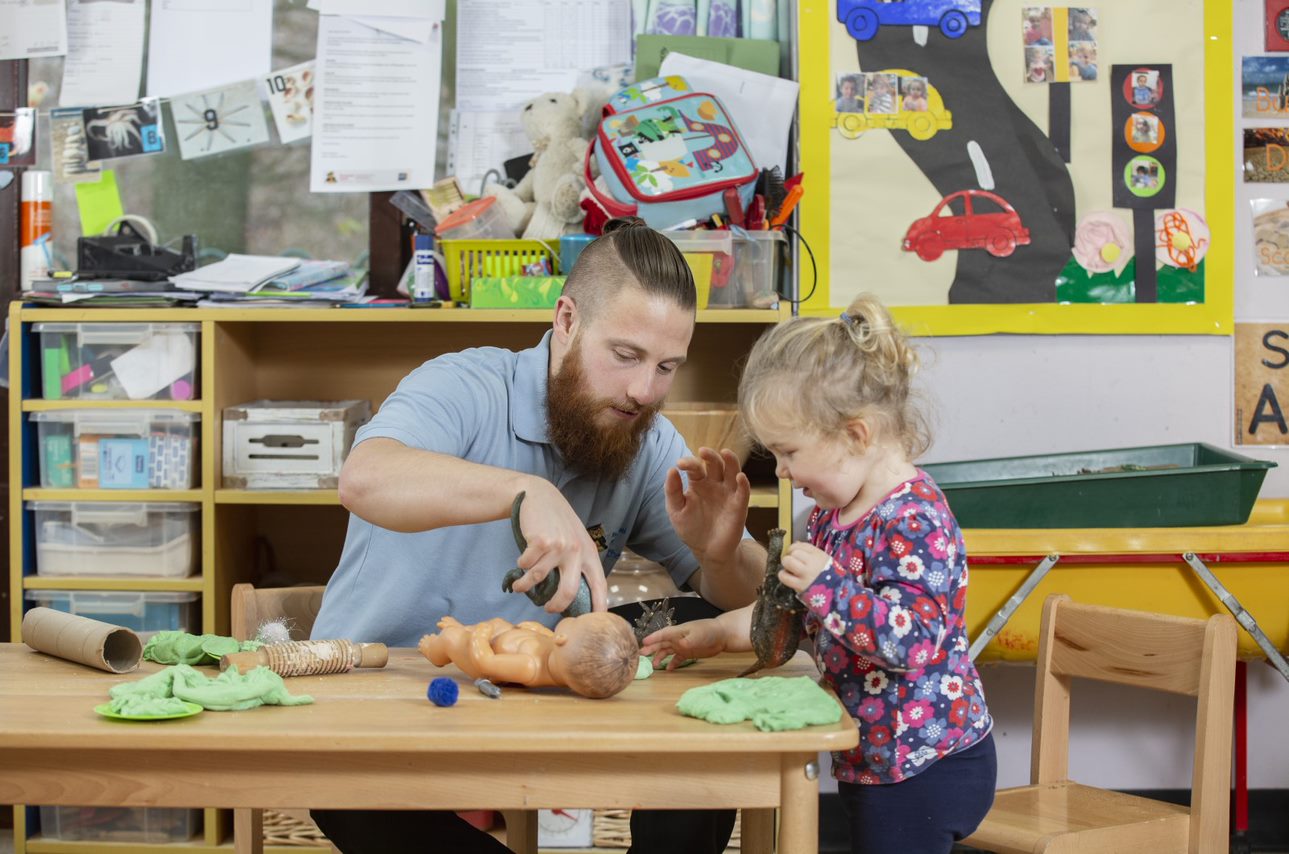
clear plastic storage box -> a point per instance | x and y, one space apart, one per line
710 258
109 538
118 361
733 268
143 613
757 259
117 448
118 824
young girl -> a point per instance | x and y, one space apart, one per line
884 578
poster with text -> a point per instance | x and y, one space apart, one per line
1262 383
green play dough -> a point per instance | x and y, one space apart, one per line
161 692
183 648
772 703
644 667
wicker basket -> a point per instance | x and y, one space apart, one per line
612 829
710 425
293 827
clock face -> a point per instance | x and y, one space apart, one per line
1282 23
219 120
560 826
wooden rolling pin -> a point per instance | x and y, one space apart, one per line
309 658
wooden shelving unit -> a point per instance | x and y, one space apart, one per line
295 354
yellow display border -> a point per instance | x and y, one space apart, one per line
1214 317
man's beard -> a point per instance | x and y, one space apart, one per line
573 421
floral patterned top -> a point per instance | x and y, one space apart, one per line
887 619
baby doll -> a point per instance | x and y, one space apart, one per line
594 654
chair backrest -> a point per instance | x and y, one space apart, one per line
1165 653
253 607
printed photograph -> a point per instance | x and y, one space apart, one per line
1040 64
69 152
882 89
124 131
913 94
850 93
1036 25
18 137
1266 155
1264 87
1143 88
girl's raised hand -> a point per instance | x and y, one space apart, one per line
699 639
802 564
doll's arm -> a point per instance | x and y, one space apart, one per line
521 668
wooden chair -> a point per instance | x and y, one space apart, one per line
1173 654
300 605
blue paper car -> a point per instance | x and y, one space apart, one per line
863 18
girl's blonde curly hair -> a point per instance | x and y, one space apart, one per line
817 374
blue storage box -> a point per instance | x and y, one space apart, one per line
143 613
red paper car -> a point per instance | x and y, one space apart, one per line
986 222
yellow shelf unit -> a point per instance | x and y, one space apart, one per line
296 354
55 405
109 582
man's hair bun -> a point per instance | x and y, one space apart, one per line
621 222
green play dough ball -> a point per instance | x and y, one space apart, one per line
644 668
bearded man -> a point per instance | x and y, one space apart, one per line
574 424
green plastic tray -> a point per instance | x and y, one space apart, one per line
1150 487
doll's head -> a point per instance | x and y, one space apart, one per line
595 654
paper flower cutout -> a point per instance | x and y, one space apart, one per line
1102 243
1181 238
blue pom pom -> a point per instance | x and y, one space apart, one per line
442 692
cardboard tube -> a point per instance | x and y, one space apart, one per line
80 639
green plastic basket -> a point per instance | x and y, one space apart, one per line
1148 487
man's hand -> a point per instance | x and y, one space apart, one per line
709 516
558 539
699 639
802 564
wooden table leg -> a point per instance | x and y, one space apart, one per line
248 831
799 797
757 833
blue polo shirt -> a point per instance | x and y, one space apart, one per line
487 405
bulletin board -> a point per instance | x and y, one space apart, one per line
1058 161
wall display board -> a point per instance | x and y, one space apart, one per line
997 166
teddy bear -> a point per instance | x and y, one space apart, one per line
546 203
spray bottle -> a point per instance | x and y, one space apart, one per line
37 226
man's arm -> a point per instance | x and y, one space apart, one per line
406 489
731 584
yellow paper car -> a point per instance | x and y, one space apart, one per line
884 108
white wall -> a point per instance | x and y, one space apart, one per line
1010 395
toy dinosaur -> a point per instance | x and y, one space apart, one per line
778 617
654 616
543 590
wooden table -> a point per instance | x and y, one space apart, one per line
372 740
